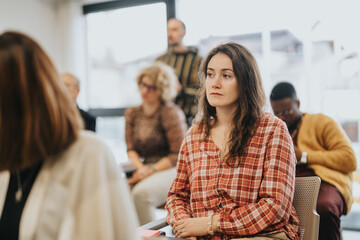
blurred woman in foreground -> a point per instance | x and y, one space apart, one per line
57 182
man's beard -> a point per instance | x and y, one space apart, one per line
294 124
175 44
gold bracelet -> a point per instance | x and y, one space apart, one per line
210 223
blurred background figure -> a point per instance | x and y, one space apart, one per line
154 132
73 85
322 149
186 61
56 181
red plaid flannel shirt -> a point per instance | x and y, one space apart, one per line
252 199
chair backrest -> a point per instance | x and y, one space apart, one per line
305 199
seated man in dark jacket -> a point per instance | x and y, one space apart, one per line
73 85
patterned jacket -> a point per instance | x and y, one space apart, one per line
186 65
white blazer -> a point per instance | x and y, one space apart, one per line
82 195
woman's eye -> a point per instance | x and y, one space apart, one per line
209 74
227 76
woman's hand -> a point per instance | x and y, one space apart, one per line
140 174
191 227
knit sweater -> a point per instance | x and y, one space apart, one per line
330 154
186 65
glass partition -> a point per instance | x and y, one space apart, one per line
120 43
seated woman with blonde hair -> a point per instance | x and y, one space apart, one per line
154 132
56 181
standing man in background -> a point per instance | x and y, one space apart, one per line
322 149
73 85
186 61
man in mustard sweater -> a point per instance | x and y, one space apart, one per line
322 149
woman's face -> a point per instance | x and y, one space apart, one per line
148 91
221 83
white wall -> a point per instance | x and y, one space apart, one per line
72 43
59 28
33 17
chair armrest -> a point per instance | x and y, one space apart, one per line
155 225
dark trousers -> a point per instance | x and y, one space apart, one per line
330 207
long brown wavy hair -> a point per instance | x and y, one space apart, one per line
251 100
37 117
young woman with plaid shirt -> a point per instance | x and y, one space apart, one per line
236 166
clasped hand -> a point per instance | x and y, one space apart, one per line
191 227
140 174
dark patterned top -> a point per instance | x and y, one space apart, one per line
156 136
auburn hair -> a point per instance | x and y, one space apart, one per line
37 117
251 101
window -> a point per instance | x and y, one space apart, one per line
118 51
122 38
313 44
